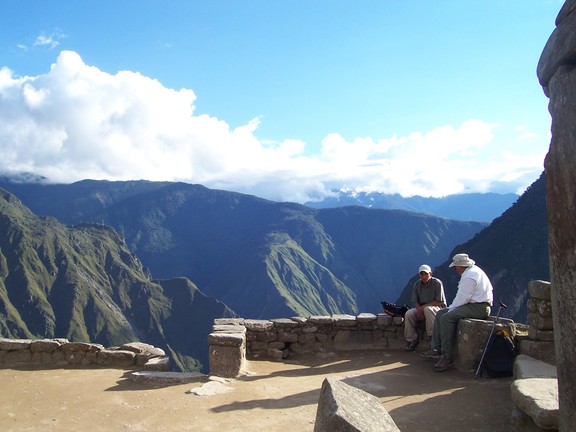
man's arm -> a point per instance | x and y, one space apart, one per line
466 288
440 297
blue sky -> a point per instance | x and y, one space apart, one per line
288 100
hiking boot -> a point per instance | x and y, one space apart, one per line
431 354
411 346
443 364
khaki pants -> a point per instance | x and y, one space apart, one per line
411 321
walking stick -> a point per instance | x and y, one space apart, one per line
479 370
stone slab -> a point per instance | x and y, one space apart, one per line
540 289
537 397
529 367
167 378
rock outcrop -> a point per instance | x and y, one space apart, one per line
345 408
557 75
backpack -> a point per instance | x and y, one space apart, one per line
500 355
394 309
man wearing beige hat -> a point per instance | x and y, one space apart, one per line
473 300
428 298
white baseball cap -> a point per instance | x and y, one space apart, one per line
425 268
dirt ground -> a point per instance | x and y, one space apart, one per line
272 397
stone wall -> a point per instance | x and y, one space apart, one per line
540 341
534 391
283 338
557 75
236 339
61 352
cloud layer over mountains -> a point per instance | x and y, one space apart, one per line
77 122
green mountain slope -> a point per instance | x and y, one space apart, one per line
262 258
83 283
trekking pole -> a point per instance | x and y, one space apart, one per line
479 370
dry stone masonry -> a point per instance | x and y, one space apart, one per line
61 352
540 341
236 339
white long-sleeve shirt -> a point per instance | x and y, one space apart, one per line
474 287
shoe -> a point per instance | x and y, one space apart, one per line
411 346
431 354
443 365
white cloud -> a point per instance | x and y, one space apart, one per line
51 41
78 122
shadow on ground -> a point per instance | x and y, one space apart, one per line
417 397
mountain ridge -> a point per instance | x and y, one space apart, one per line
512 250
480 207
231 244
83 283
261 258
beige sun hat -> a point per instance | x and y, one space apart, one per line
462 260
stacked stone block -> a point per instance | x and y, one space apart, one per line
540 342
227 347
236 339
61 352
473 334
277 339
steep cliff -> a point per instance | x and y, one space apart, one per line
83 283
513 250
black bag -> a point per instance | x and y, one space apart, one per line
500 355
394 309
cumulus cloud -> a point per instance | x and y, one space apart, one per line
77 122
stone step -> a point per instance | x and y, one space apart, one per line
538 398
529 367
167 378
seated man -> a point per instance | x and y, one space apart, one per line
427 298
473 300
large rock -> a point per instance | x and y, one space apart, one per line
472 337
557 76
343 408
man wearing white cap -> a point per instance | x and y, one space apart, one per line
427 298
473 300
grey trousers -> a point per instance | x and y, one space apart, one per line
446 324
